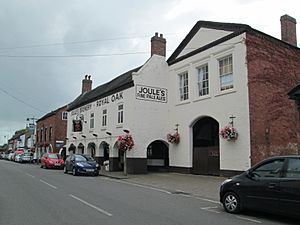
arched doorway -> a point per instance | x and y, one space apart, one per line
104 148
206 149
72 149
91 149
157 156
80 148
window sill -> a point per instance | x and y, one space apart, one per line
183 103
119 126
103 129
202 98
226 92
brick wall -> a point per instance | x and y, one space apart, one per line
59 129
272 73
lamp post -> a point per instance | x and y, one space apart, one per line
125 156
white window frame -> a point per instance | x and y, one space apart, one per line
64 115
203 80
104 117
226 72
183 86
92 120
120 113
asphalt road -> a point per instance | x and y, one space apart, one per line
30 195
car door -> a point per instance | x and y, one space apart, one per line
290 188
261 188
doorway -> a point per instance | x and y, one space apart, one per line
206 149
157 156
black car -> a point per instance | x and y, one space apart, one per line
81 164
273 185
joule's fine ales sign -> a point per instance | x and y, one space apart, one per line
151 93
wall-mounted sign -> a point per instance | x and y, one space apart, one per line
108 99
155 94
77 125
81 109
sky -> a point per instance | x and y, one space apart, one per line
47 46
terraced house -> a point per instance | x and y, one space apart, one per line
223 77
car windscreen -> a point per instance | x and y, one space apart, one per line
53 156
80 158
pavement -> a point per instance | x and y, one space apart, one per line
188 184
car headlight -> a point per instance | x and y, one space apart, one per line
80 164
226 181
97 165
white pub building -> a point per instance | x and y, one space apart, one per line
201 89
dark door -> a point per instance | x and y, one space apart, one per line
206 159
262 191
290 188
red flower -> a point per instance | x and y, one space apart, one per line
173 138
125 142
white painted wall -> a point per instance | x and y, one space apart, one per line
218 105
203 37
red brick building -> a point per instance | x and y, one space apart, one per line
51 131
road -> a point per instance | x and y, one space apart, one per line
30 195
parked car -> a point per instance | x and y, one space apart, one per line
26 157
11 156
273 185
51 160
18 158
81 164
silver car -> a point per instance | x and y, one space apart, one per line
26 157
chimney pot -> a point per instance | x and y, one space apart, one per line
288 29
86 84
158 45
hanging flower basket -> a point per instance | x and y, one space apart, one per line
229 133
125 142
173 138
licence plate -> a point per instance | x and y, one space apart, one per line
89 170
57 164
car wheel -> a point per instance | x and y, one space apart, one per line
231 202
41 165
65 169
74 171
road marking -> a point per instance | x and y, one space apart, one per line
207 200
143 186
248 219
211 209
30 175
50 185
90 205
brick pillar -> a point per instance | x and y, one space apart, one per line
158 45
86 84
288 29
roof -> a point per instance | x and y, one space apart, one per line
50 114
120 83
295 93
236 29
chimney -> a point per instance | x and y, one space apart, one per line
288 29
158 45
86 84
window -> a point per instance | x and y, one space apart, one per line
293 169
41 135
50 133
104 117
270 169
45 134
203 80
92 121
120 113
183 86
226 75
65 116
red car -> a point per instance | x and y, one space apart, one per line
52 160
